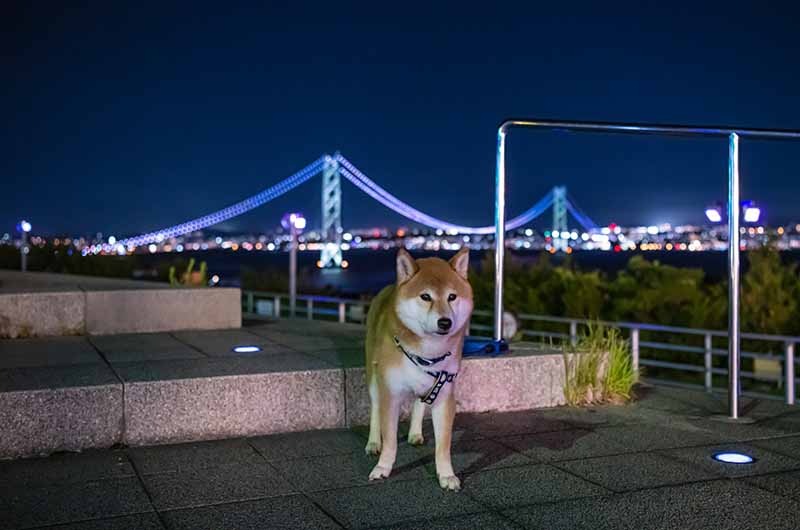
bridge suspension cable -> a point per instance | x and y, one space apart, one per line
231 211
362 182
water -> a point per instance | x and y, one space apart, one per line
371 270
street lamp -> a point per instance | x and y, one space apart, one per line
295 223
24 227
752 213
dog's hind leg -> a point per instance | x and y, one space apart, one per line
415 429
374 441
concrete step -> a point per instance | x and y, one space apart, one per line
74 393
37 304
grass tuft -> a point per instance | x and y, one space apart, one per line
600 369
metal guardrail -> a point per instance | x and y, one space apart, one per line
269 305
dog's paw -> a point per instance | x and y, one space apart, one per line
451 483
373 448
379 472
416 439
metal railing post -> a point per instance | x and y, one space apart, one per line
310 309
573 332
250 303
635 350
342 313
733 276
789 364
277 307
708 362
499 231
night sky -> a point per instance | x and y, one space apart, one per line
126 119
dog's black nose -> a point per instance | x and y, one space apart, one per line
444 324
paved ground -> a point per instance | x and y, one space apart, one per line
646 465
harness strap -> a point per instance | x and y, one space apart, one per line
441 377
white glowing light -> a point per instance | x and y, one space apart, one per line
528 232
246 349
734 458
152 248
751 214
713 215
25 226
112 240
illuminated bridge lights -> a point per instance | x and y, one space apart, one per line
365 184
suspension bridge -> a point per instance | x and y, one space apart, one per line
333 168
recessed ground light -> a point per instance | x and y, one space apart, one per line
733 458
246 349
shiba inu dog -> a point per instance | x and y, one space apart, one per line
415 335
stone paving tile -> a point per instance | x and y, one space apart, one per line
50 377
291 512
278 447
563 445
517 486
716 505
215 485
222 341
786 484
477 521
50 351
315 343
193 456
766 461
65 468
586 418
351 469
393 502
508 423
28 507
787 445
143 521
143 347
725 431
645 437
219 366
475 455
634 471
343 358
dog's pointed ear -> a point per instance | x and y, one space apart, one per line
460 262
406 266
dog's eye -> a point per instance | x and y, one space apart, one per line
451 297
426 297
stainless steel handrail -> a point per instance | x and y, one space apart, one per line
732 133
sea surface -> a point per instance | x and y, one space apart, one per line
371 270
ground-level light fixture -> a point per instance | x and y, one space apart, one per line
729 457
246 349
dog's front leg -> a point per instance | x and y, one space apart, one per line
389 416
415 429
443 412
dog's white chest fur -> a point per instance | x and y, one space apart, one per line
414 379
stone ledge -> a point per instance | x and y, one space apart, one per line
83 406
41 304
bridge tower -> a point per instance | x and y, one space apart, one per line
331 255
560 217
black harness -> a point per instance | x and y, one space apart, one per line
441 377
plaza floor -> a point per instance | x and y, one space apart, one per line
644 465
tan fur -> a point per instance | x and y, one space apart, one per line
398 311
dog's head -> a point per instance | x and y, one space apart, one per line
433 295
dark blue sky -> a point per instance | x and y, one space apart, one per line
126 119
